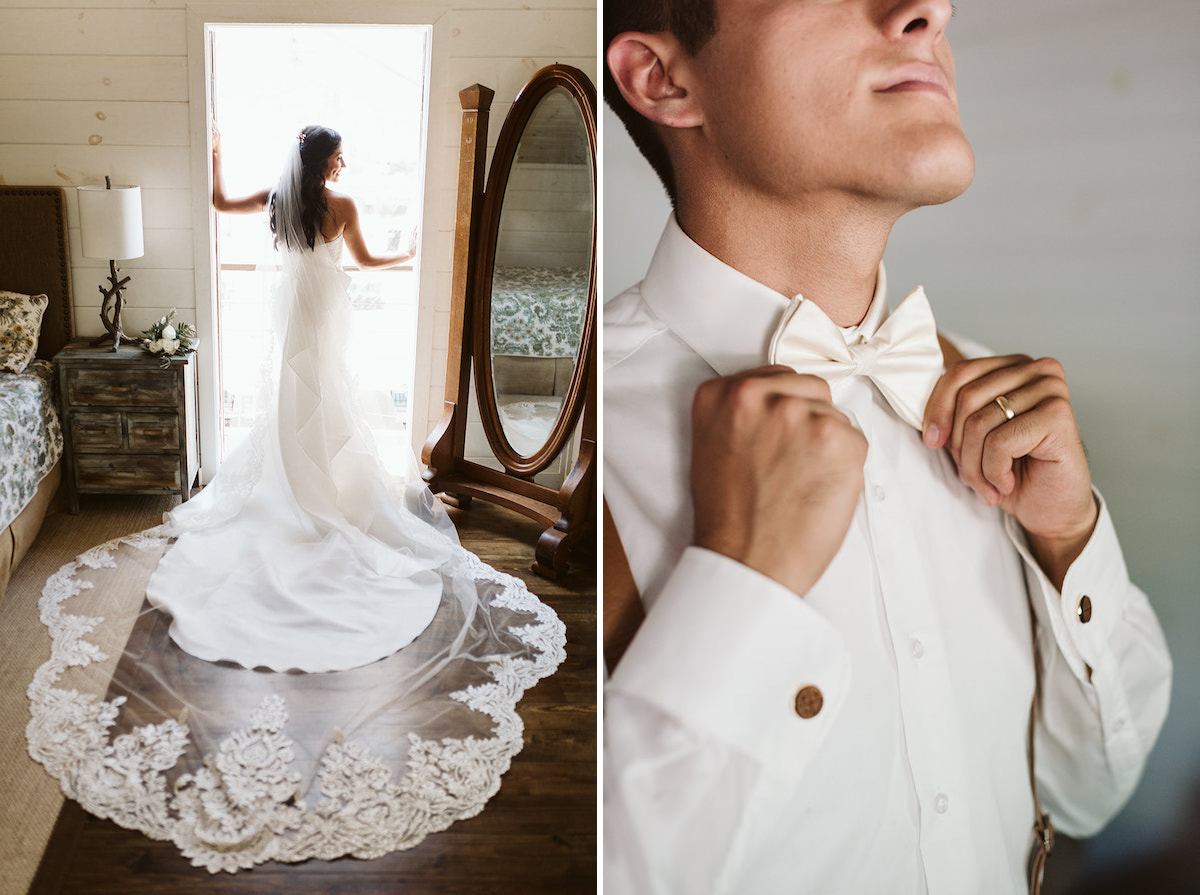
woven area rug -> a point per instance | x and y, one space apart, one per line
25 645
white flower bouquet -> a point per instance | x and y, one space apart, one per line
166 340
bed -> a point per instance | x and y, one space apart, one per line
34 260
537 319
538 311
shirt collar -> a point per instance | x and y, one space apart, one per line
723 315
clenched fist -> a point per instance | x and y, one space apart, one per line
776 473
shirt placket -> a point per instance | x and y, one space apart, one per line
933 739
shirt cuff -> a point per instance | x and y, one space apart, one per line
1093 597
726 651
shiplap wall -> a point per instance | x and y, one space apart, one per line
547 220
1080 238
95 87
88 90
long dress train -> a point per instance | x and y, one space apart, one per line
302 554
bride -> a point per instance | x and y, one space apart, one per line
302 554
320 565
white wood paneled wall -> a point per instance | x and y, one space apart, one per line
95 87
88 90
547 218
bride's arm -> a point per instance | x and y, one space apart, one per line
346 212
221 202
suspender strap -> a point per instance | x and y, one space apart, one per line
623 611
950 353
1043 830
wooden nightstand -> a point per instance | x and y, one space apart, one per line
129 425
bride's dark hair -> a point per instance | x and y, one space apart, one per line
298 204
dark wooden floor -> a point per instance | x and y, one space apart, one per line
538 834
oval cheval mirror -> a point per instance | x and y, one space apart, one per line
518 428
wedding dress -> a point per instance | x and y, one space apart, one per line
322 565
301 554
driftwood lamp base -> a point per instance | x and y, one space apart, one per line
113 334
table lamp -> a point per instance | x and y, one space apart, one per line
110 222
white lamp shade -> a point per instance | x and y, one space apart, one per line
110 222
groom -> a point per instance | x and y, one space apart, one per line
842 554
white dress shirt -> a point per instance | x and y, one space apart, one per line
913 776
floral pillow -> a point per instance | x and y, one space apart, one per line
20 323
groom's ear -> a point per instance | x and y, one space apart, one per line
654 74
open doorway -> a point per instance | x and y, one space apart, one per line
268 82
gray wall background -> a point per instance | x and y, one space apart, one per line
1080 238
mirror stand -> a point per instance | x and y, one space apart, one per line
454 470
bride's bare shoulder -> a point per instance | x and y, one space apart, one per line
341 206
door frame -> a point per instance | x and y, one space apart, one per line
202 13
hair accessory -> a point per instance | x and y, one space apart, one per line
300 137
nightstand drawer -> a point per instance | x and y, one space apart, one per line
152 432
128 471
95 430
93 387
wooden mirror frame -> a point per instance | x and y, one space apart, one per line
505 156
568 511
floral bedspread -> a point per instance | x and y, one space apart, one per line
538 311
30 435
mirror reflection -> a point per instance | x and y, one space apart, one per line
540 278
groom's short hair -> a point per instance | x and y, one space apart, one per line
693 23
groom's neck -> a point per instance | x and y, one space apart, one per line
825 249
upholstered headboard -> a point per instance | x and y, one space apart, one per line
34 257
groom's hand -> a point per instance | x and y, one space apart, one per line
1033 466
776 473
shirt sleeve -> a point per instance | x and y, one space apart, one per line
1106 681
689 748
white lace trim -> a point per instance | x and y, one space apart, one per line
242 807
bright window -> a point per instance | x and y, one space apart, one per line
369 83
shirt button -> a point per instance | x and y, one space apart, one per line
809 701
879 494
1084 609
941 803
918 648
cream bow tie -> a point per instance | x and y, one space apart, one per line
903 358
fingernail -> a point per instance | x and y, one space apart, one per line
932 433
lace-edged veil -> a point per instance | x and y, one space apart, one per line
235 765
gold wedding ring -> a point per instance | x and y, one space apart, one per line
1009 413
